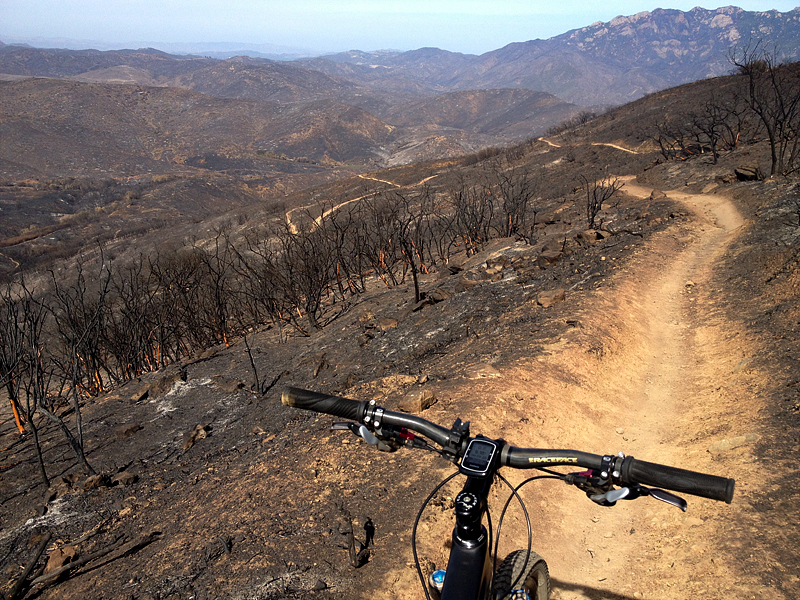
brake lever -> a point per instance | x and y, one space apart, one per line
669 498
632 492
610 497
364 433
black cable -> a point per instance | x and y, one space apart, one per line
414 533
491 529
548 471
503 514
515 493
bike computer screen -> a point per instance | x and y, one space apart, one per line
478 458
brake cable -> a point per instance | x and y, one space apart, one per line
414 531
515 494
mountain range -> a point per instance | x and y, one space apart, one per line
603 63
369 108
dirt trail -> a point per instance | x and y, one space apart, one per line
663 355
318 220
379 180
615 146
639 374
618 147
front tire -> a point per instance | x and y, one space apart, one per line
531 576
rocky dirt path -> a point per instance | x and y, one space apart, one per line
670 353
654 369
664 353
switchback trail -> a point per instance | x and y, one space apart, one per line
618 147
318 220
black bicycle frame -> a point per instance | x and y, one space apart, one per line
469 569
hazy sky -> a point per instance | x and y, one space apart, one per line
473 26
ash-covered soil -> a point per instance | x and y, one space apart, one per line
676 333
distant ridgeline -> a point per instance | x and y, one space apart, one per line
603 63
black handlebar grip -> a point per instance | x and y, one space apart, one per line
677 480
324 403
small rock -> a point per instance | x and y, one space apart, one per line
367 316
723 446
164 384
551 297
417 400
199 432
60 557
124 478
657 195
494 270
127 430
481 371
140 394
619 430
748 173
388 323
423 379
96 481
319 586
590 236
710 188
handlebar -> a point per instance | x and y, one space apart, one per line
678 480
357 411
324 403
629 472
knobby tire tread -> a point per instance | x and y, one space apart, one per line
536 580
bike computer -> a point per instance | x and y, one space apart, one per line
479 457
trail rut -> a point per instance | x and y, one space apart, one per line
657 353
665 362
